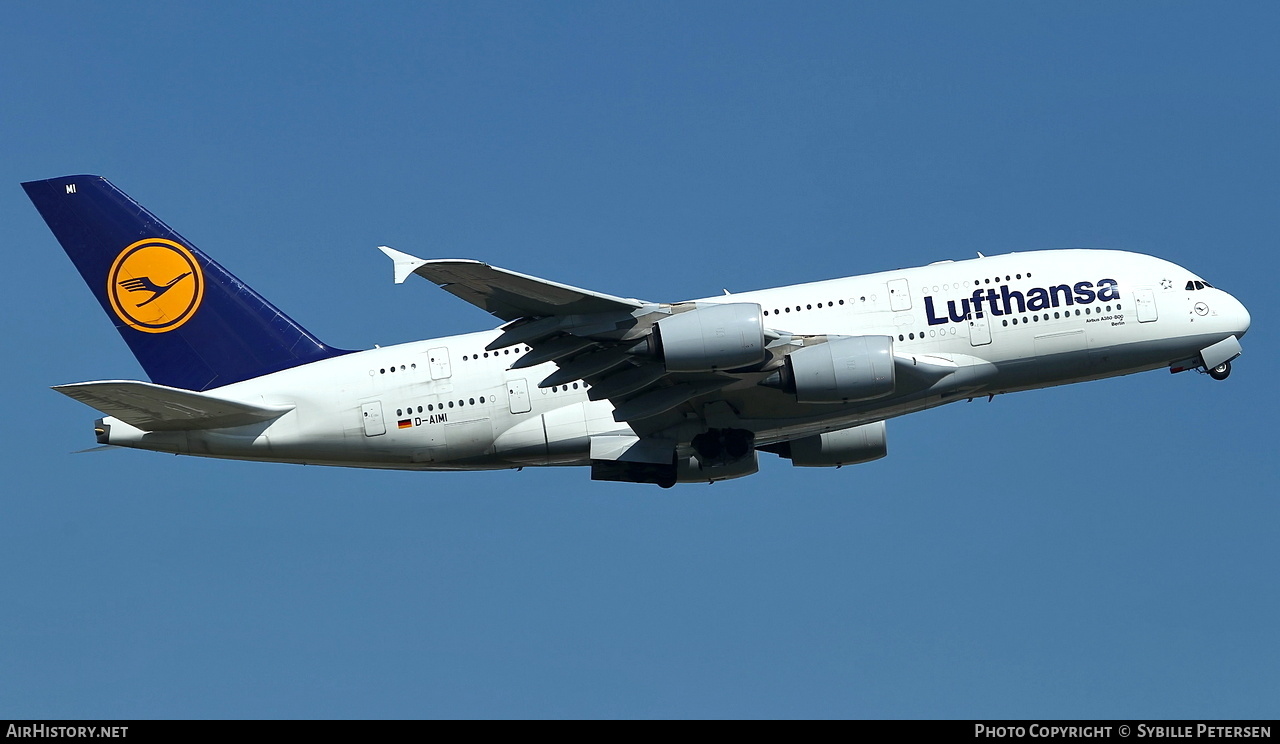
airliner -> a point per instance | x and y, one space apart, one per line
638 391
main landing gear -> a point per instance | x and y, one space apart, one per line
722 446
1221 372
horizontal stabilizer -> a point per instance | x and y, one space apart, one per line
506 294
152 407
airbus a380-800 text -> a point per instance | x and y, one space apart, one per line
645 392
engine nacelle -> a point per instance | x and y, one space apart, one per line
845 369
835 448
712 337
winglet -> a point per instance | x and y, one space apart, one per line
404 263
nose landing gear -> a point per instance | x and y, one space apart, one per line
1220 372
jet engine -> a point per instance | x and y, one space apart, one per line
711 337
843 370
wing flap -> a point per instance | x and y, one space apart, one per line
152 407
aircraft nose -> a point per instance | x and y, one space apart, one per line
1240 318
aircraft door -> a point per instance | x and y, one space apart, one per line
979 329
899 295
439 359
518 395
373 423
1146 301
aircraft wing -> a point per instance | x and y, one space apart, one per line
507 294
152 407
606 341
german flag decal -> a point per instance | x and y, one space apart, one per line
405 423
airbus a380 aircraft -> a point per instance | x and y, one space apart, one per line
646 392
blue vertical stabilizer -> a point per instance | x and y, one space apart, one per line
190 322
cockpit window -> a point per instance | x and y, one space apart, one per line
1193 284
1190 285
1207 284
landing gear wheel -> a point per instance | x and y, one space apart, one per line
1221 372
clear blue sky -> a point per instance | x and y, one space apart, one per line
1107 549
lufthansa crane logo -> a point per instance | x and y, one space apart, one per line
155 285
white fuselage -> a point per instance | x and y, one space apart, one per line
1030 320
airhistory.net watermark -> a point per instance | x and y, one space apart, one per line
48 731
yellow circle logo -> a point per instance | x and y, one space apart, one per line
155 285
